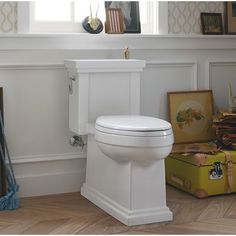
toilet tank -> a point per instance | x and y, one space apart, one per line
102 87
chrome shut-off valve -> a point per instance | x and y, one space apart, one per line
77 141
71 79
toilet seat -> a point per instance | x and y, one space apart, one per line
138 126
133 131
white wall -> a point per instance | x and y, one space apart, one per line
35 86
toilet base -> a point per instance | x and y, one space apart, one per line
132 192
126 216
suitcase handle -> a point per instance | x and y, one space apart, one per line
183 183
177 180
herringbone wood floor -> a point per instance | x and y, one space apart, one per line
73 214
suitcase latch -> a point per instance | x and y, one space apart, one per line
216 172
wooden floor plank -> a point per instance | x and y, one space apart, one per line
216 208
17 228
231 212
221 221
44 227
188 212
204 227
75 225
133 232
106 225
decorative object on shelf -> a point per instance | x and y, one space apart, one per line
211 23
92 24
231 107
191 114
130 14
114 21
230 17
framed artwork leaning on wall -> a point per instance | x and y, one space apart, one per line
191 115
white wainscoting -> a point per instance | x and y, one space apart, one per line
159 78
36 120
36 93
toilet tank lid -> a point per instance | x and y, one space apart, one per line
133 123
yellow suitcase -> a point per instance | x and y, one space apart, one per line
202 175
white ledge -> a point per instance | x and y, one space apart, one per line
101 65
105 41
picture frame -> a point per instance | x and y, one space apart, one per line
191 115
230 17
211 23
114 21
130 12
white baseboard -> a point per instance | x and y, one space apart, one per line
126 216
49 174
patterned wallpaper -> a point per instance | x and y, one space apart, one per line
184 17
8 17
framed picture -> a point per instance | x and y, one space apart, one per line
211 23
130 12
114 21
191 114
230 17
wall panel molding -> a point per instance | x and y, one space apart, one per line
177 64
221 73
49 174
31 66
161 77
49 157
214 63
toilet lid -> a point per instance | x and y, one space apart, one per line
133 123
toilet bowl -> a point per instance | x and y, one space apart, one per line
133 138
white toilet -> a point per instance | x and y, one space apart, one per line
137 138
125 172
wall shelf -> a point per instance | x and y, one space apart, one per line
112 42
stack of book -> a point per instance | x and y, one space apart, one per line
225 126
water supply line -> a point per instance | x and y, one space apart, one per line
77 141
